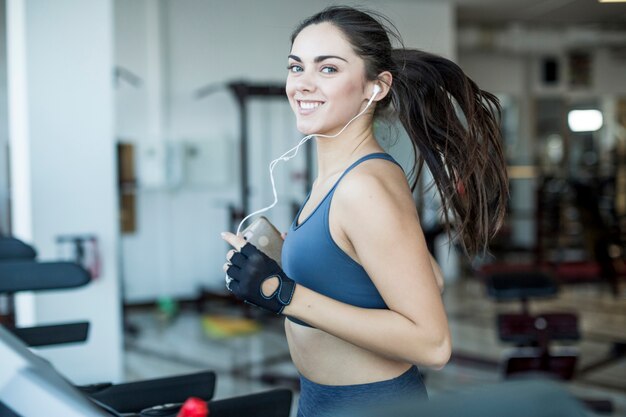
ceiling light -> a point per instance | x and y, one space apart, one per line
584 120
612 1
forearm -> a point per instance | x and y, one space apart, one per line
384 332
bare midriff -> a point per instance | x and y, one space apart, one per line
328 360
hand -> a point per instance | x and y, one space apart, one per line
256 278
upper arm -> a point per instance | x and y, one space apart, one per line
380 220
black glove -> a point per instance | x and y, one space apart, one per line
249 269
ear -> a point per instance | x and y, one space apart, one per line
383 81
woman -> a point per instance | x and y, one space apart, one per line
359 287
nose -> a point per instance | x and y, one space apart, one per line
304 83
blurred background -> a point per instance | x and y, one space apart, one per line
132 132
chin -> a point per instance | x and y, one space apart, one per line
307 128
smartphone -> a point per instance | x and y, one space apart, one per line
262 234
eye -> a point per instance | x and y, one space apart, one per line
328 70
294 68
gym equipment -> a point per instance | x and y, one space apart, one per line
133 397
19 271
31 387
14 249
274 403
534 333
578 232
537 331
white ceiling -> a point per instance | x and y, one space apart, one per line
542 12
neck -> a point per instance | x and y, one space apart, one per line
334 155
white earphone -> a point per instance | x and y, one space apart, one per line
294 151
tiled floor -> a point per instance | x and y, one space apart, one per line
180 345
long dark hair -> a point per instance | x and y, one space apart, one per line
462 151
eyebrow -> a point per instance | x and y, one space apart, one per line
318 59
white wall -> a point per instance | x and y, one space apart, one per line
63 166
4 133
500 73
508 59
198 42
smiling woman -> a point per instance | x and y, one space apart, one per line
358 286
324 76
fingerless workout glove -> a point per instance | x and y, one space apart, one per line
249 269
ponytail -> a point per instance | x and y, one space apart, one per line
462 151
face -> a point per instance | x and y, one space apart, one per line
326 84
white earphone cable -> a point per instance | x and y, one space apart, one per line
294 151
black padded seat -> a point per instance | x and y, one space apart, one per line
56 334
14 249
20 272
526 330
519 285
18 276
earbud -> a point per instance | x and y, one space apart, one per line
376 90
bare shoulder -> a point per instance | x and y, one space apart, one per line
376 182
375 194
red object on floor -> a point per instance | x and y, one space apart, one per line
194 407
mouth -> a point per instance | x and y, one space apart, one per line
308 106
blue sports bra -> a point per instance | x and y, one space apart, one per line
311 257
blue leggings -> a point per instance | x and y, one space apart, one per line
317 400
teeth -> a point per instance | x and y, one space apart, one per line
307 105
